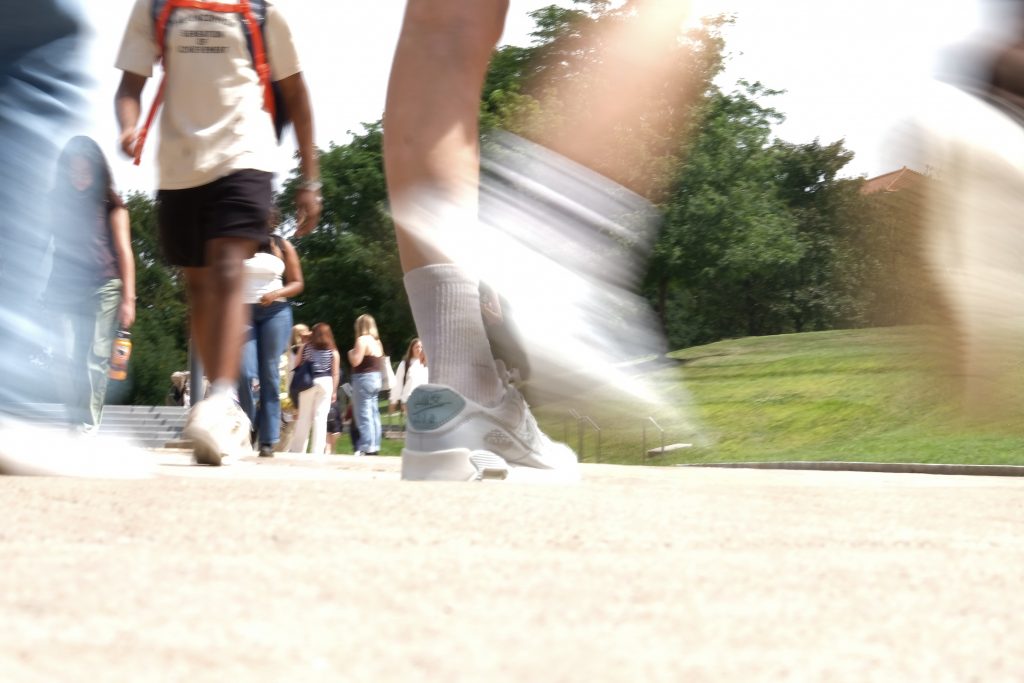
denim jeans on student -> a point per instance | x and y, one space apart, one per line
41 100
265 341
92 327
366 410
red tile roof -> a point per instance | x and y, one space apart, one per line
893 181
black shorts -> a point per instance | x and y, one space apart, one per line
237 205
334 423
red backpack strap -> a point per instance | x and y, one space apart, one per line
259 55
160 32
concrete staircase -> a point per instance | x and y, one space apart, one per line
149 426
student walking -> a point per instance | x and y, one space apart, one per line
272 276
92 284
215 161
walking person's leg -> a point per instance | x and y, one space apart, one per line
303 423
249 368
362 389
217 426
375 416
76 387
218 315
41 98
108 299
431 156
273 333
321 406
211 230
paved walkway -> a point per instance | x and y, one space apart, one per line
333 570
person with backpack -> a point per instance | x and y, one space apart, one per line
231 75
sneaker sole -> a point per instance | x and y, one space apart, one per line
462 464
205 450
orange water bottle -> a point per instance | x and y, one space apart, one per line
120 354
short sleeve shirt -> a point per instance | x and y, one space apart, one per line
212 121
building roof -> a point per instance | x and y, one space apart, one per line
894 181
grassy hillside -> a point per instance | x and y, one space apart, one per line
881 395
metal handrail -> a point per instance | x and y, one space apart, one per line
581 425
597 428
565 425
652 421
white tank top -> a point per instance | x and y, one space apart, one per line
263 273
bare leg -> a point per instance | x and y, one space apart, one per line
218 314
431 158
430 127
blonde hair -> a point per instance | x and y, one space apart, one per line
365 324
297 332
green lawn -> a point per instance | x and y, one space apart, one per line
874 395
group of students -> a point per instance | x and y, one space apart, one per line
319 416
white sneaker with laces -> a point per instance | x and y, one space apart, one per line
448 437
218 430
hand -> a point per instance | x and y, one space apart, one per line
308 204
126 313
127 141
268 299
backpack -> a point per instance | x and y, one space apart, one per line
254 13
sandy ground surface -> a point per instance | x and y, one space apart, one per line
334 570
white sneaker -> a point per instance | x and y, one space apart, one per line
451 438
43 450
218 430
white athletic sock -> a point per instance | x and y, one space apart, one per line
445 302
224 386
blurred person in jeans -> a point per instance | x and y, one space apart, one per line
41 97
92 284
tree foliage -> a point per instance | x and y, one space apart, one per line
350 263
160 333
757 236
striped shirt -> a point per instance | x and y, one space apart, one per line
322 360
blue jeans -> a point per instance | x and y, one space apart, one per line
93 327
366 410
265 341
41 97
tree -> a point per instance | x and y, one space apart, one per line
160 333
350 263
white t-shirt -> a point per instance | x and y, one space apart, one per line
212 121
263 273
406 382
